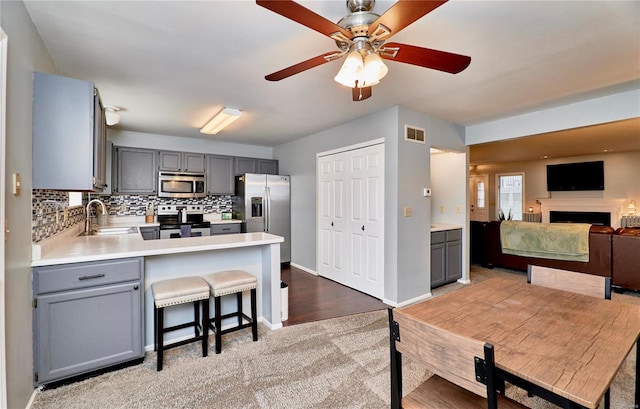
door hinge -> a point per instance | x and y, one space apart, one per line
35 303
35 376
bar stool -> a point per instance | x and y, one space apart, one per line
232 282
177 291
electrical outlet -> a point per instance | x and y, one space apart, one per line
123 207
408 212
441 209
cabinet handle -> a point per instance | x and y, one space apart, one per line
135 288
226 229
91 277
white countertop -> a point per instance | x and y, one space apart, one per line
444 226
71 248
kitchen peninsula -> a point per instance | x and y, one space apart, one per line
256 253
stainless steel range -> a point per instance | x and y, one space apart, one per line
178 221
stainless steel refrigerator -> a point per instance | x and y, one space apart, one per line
262 203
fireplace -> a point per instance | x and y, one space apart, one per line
580 207
597 218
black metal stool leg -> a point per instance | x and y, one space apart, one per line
196 318
254 315
218 325
160 330
205 327
155 328
239 302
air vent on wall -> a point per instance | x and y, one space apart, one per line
413 134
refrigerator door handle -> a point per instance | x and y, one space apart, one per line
267 213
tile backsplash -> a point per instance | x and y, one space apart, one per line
50 206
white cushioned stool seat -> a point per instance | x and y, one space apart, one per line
230 282
226 283
176 291
181 290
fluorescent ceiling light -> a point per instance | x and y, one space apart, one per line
221 121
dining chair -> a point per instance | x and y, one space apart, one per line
464 373
580 283
571 281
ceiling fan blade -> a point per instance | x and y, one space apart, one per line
426 57
401 14
303 66
360 94
300 14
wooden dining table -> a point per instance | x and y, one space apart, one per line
564 347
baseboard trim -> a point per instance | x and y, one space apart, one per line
408 302
303 268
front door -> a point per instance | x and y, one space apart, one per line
478 194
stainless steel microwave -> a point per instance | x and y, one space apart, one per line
181 184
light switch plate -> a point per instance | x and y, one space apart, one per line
16 184
408 212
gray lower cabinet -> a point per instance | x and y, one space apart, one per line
220 179
87 317
446 257
226 228
134 171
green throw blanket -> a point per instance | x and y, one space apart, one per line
559 241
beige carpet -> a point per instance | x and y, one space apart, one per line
337 363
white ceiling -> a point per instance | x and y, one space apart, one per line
170 65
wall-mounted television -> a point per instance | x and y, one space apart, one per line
575 176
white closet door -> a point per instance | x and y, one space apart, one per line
350 218
331 170
366 223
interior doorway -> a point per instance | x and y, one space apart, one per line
478 198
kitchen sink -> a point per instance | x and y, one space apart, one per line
110 231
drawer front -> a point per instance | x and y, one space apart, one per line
90 274
438 237
454 235
225 228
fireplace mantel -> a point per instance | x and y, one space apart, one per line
613 206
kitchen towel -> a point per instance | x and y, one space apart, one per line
185 230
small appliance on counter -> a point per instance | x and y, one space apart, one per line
178 221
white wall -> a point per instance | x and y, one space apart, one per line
621 178
177 143
26 53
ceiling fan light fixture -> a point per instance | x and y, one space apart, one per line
351 70
220 121
374 68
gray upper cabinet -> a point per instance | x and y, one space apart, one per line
135 171
69 135
267 166
254 165
220 175
181 161
244 165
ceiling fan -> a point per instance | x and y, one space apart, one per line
361 36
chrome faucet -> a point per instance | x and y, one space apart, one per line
87 225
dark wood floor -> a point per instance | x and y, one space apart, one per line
314 298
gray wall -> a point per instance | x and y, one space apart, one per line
26 53
407 172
